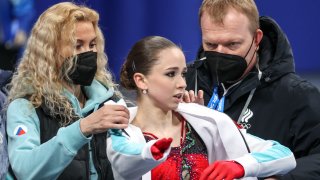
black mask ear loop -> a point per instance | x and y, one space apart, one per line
66 66
249 51
246 61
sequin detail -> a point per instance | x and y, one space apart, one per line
184 162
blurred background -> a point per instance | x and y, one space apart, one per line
124 22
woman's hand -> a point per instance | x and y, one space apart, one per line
223 170
190 97
107 117
158 148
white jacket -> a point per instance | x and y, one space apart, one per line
131 158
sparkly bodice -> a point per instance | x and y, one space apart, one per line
184 162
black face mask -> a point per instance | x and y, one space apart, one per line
85 68
225 68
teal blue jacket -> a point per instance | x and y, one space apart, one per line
29 158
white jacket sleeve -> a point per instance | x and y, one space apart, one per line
224 142
131 157
266 158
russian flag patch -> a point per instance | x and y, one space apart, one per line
20 130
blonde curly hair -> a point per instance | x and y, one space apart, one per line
39 76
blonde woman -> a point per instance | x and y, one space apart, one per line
56 118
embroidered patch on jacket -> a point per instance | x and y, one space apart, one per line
244 122
20 130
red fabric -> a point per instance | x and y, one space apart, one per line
172 167
186 161
158 148
227 170
239 126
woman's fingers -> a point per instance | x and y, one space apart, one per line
107 117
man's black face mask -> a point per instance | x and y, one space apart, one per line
85 68
224 68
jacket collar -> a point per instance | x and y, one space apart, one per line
250 82
96 93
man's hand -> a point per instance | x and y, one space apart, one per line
190 97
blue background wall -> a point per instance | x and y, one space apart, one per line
124 22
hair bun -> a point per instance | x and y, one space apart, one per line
126 79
